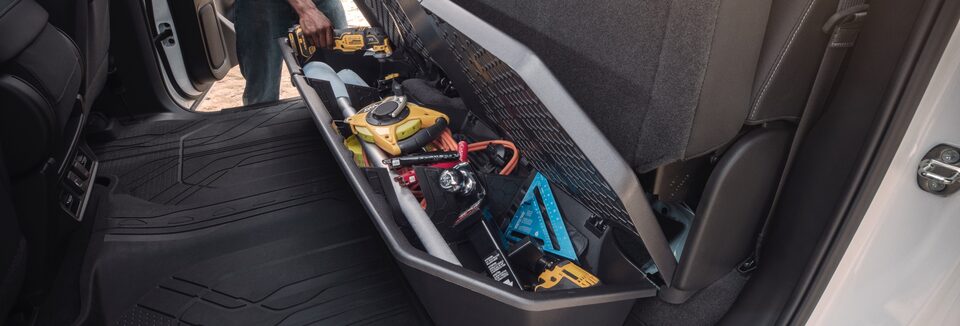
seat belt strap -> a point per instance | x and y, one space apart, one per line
844 27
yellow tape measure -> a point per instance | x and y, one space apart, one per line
396 126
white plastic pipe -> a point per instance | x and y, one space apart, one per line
419 221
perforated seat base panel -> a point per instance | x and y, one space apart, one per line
238 218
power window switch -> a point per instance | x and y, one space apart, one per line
69 201
80 169
83 160
75 180
82 165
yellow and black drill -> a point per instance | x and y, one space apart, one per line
552 273
364 40
562 274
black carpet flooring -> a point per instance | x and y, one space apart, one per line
706 307
237 218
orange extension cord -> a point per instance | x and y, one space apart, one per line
446 143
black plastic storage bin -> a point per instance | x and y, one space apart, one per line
455 295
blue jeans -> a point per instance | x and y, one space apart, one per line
259 23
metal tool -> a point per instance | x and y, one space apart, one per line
462 180
459 180
422 158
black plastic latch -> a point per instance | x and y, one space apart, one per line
342 128
748 265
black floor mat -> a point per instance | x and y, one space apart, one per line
237 218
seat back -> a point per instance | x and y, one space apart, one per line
740 190
40 79
88 23
672 80
663 80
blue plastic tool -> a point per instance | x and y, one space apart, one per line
538 216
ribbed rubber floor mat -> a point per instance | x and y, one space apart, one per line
172 162
238 218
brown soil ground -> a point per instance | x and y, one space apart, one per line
228 92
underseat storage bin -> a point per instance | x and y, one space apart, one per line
495 211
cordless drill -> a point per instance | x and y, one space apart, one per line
553 273
364 40
562 274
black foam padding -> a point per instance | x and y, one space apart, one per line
444 207
501 193
238 218
425 94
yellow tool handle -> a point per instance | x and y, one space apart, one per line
347 40
355 39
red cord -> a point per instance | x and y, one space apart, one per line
446 143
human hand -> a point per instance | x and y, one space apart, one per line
317 28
